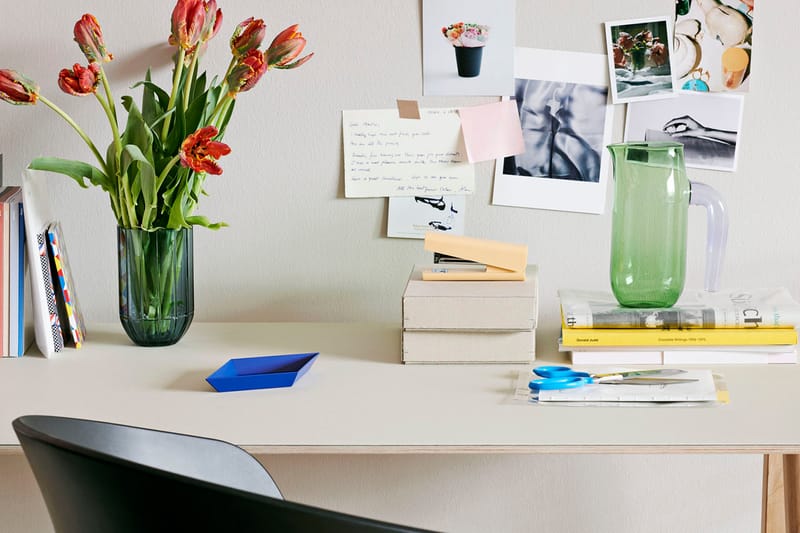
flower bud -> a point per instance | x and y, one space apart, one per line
79 81
286 46
247 35
17 89
89 37
247 72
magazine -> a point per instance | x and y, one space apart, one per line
729 308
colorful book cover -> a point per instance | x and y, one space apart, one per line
50 295
66 286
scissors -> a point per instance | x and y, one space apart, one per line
563 377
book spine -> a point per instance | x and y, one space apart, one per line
680 337
16 272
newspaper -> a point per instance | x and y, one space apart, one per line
730 308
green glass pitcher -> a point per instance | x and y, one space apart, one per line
652 195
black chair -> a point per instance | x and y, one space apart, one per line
111 478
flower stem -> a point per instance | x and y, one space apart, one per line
187 89
78 129
176 79
109 97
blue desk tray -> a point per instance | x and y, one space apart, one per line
263 372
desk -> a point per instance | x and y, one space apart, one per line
358 398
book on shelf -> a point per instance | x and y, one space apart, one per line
577 337
67 303
38 216
657 355
730 308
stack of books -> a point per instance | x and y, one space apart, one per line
724 327
16 332
469 321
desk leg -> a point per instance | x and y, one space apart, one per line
773 516
791 491
780 512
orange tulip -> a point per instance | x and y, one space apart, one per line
89 37
248 70
286 46
200 153
247 35
17 89
79 81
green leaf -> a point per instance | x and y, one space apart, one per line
144 181
77 170
151 109
226 119
203 221
136 130
163 96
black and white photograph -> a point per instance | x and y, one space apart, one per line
562 99
411 217
707 125
639 59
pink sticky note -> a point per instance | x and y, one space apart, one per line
491 131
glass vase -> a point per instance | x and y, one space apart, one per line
156 284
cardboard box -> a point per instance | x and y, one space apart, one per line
459 346
470 305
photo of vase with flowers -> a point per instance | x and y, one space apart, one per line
158 159
639 59
468 41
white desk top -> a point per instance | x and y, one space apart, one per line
359 398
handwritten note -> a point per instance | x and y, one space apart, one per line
385 155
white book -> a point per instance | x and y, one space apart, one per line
785 354
38 216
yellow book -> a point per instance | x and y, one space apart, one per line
574 337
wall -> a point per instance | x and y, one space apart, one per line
296 250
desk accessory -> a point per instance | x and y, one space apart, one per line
500 261
652 195
469 321
262 372
562 377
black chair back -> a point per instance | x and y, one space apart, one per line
109 478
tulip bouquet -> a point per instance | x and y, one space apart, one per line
155 166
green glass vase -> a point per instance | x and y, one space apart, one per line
156 284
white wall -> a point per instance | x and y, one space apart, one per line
296 249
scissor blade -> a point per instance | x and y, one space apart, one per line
647 381
638 373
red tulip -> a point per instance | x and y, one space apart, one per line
17 89
188 19
89 37
286 46
79 81
200 153
247 35
247 72
212 22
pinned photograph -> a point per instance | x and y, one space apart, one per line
639 53
562 100
410 217
707 125
713 45
468 47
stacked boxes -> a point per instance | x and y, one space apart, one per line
470 321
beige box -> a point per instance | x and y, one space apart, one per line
454 346
465 305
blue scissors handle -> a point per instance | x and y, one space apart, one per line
554 371
558 377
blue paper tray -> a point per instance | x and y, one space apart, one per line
262 372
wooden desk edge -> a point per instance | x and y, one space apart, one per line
289 449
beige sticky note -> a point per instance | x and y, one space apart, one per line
408 108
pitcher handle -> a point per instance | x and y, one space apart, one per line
711 199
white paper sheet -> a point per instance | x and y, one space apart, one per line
385 155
